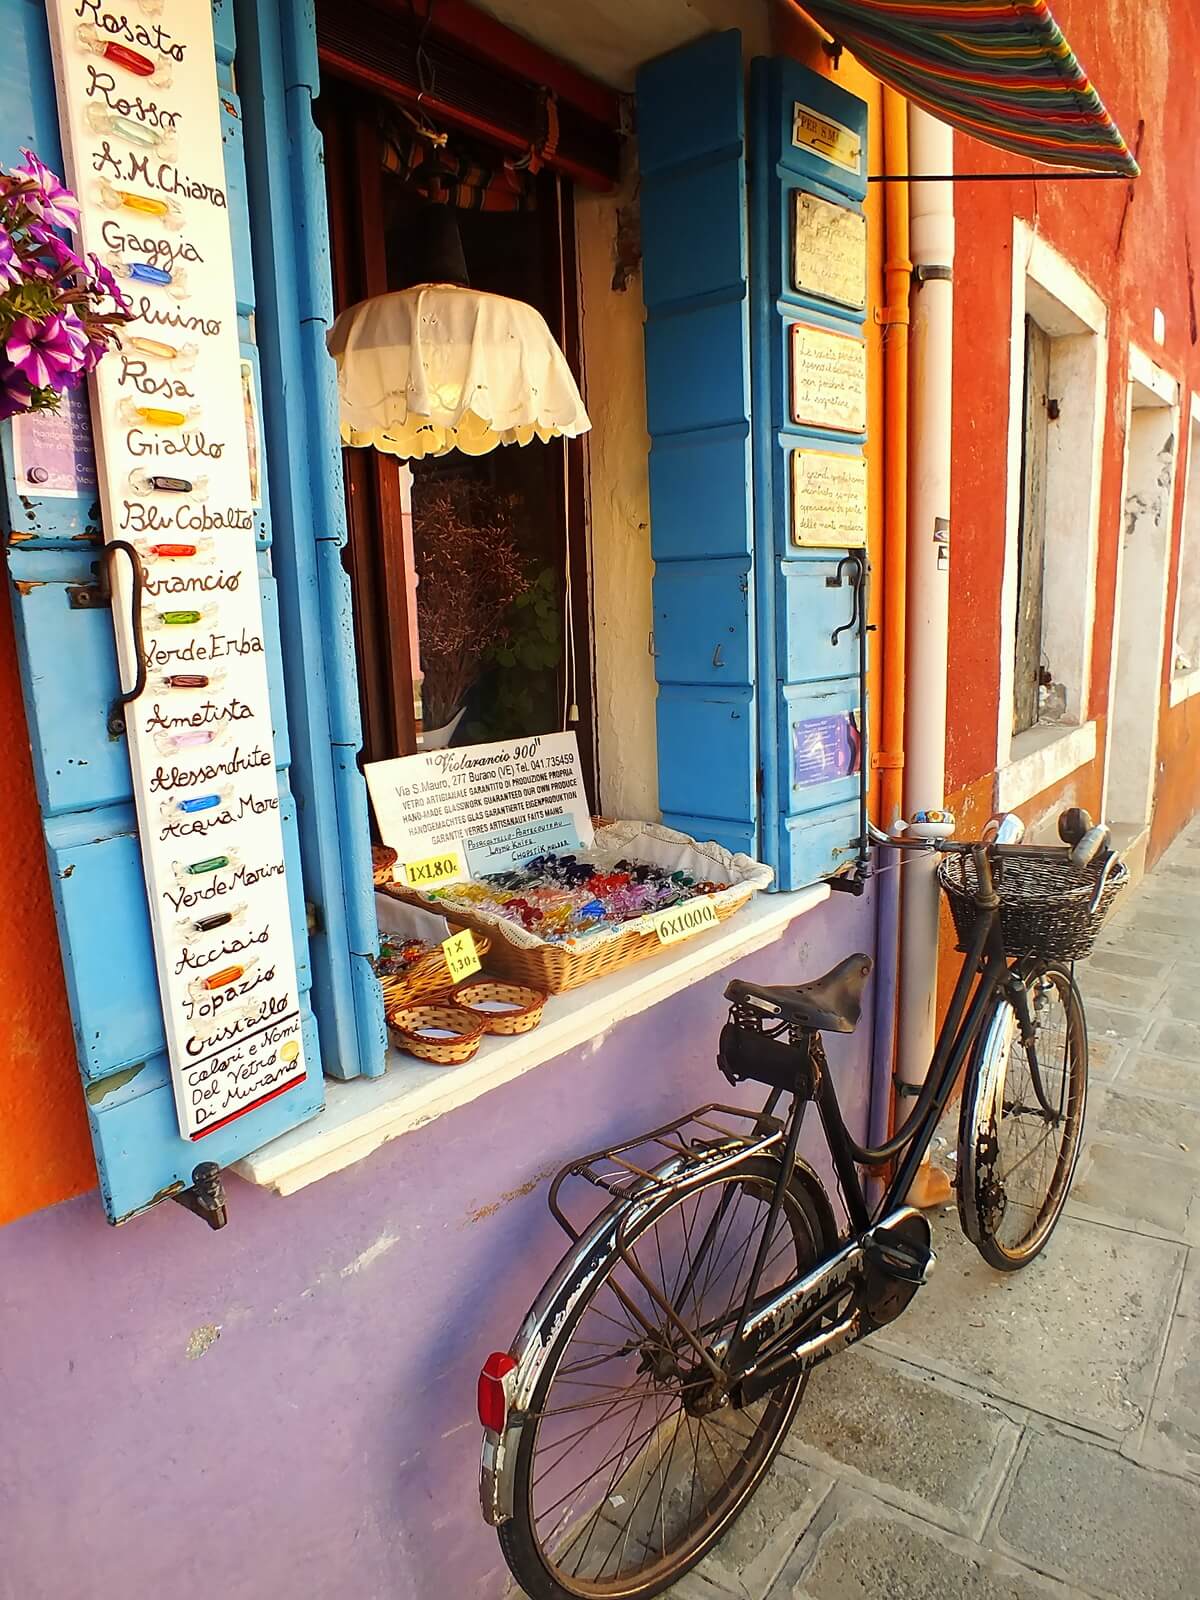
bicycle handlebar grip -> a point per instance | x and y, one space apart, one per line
1073 824
1090 846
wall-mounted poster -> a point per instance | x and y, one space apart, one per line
829 250
829 499
829 379
139 110
825 748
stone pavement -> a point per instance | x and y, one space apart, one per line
1033 1434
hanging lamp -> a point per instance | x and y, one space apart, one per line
441 366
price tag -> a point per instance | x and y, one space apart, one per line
461 956
681 922
433 871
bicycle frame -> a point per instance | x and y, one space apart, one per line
986 969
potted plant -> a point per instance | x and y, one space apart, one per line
469 571
58 312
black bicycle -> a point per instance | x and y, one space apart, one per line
664 1361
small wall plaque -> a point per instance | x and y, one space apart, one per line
829 499
829 251
829 379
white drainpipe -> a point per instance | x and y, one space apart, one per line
931 150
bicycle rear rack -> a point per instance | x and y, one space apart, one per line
700 1140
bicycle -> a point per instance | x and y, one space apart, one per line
661 1366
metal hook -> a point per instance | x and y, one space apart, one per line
856 564
89 596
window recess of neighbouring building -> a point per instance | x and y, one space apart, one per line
1059 344
1185 656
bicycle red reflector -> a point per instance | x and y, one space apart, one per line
493 1396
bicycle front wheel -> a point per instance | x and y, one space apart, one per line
1021 1123
624 1475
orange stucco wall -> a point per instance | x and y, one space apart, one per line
45 1154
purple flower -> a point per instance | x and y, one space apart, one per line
15 392
10 261
108 284
44 353
63 255
52 199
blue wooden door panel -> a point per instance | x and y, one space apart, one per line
696 285
700 625
69 678
133 1119
698 492
709 728
808 828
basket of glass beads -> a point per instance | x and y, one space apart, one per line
559 921
413 970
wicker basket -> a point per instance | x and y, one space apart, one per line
1048 906
553 968
447 1035
523 1007
427 978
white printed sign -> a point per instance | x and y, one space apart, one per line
445 802
139 110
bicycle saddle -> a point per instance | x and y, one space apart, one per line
832 1004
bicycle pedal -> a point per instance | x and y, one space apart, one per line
906 1256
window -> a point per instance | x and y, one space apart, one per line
1185 656
1059 344
468 573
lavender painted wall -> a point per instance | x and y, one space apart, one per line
325 1442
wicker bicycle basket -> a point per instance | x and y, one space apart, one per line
1048 907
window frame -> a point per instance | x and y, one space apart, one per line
1182 686
1047 288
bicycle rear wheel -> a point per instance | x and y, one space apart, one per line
623 1480
1018 1147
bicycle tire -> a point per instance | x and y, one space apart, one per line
532 1565
999 1117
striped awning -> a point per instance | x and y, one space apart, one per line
998 69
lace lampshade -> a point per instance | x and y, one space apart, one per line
439 367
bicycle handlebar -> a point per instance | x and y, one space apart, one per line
1082 847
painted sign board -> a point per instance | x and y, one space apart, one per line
489 805
829 250
829 499
829 379
139 112
826 137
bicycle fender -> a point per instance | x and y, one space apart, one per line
558 1298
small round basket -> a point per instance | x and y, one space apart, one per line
501 1007
444 1034
1048 906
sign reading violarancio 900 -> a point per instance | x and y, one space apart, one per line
139 109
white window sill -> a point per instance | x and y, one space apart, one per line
365 1113
1041 757
1183 686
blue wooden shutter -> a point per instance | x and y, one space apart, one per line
69 674
812 700
696 288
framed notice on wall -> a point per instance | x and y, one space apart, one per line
829 250
829 379
829 499
139 109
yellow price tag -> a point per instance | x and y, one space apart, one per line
433 871
681 922
461 956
